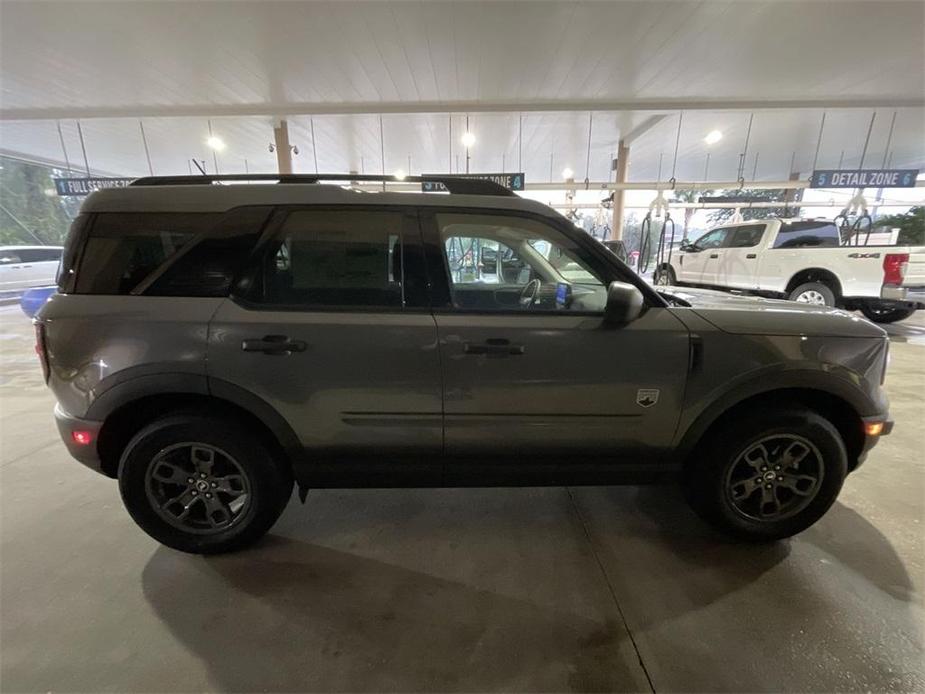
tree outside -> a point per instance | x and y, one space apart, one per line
721 216
911 225
31 213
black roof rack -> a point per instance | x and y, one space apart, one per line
455 184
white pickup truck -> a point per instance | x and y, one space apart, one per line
802 260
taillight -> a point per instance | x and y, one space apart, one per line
40 348
894 267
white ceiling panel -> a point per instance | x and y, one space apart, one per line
244 64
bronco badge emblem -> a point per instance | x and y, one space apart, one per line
646 397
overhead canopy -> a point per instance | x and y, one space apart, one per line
530 77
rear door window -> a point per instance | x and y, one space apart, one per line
355 259
807 234
122 250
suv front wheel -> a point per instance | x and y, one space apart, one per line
767 477
202 485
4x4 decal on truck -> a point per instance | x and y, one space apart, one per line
863 255
646 397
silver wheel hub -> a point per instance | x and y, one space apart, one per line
811 296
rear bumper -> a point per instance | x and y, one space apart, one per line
84 453
911 294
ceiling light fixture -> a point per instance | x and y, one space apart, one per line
567 173
215 143
400 175
468 139
713 137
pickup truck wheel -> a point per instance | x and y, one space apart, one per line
767 477
664 277
885 314
202 485
813 293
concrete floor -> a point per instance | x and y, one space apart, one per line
516 589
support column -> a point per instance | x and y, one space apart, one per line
283 150
616 228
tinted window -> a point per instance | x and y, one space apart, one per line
803 234
712 239
745 237
72 246
336 259
209 267
39 255
9 257
505 263
124 249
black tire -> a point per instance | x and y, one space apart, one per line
885 314
665 277
715 475
812 292
261 485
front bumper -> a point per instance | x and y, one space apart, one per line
85 453
915 295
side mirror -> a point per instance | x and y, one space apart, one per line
624 303
687 247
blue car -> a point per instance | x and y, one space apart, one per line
33 299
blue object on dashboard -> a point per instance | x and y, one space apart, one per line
33 299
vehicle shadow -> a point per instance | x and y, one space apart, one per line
714 614
842 534
289 615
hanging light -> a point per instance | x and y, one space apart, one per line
567 173
215 142
468 139
713 137
400 175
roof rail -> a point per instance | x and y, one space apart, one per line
455 184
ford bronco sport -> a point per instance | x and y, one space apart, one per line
214 344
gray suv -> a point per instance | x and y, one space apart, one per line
212 345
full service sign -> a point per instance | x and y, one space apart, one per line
85 186
511 181
864 178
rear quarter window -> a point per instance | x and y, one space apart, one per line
807 235
122 250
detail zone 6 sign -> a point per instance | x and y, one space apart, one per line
864 178
511 181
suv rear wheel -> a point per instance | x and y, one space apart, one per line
202 485
768 477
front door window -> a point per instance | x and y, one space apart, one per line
502 263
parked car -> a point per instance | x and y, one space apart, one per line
213 345
32 299
22 267
803 260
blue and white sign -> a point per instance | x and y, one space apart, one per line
511 181
85 186
864 178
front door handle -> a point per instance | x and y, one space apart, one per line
496 346
274 344
714 255
751 256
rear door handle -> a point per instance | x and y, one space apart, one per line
497 346
274 344
751 256
714 255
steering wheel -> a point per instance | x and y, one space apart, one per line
529 293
